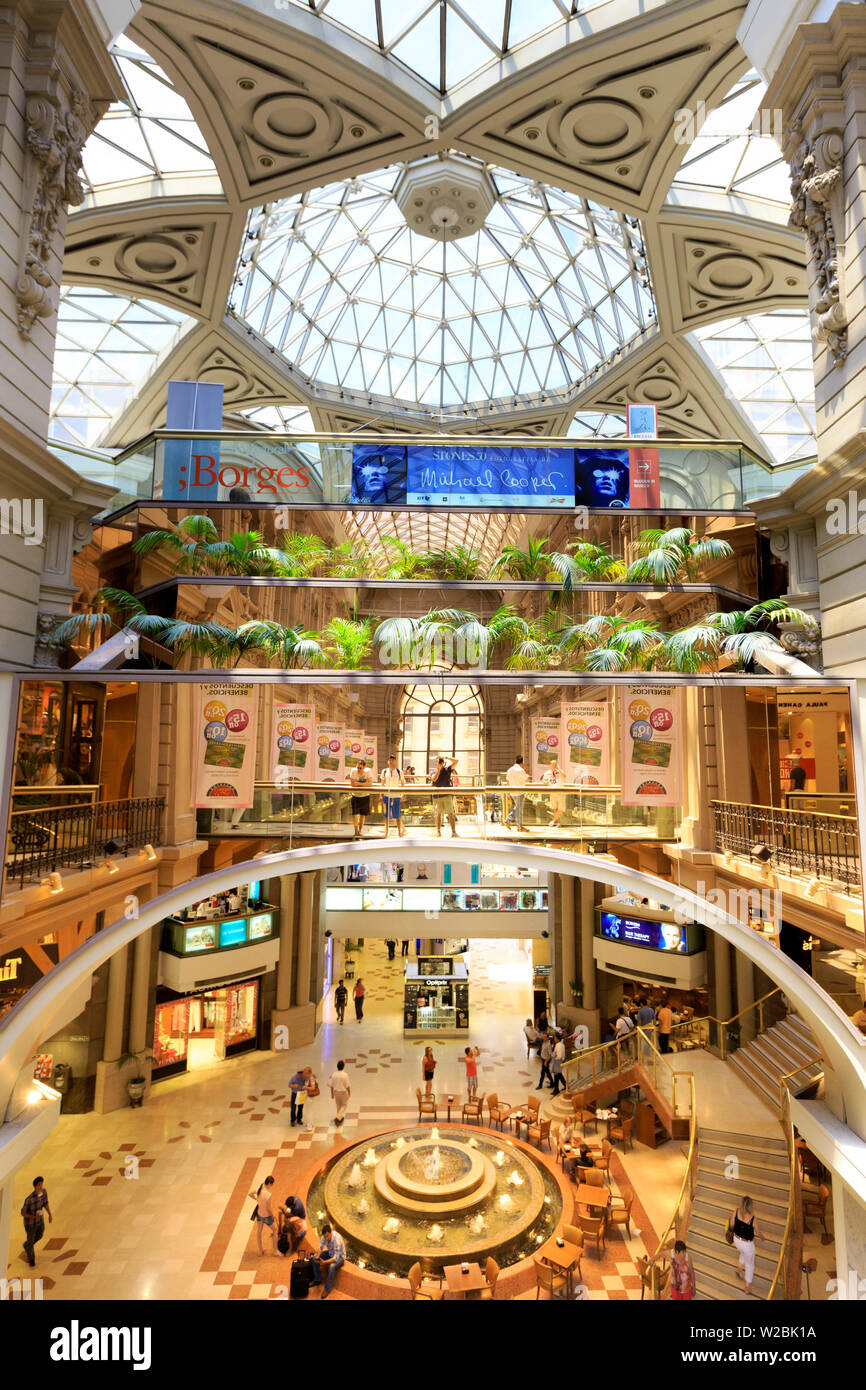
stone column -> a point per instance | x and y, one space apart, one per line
567 956
115 1006
587 932
140 993
305 938
287 942
722 976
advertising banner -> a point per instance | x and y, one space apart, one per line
191 405
642 421
601 477
651 745
635 931
292 744
546 747
585 739
224 745
330 765
353 748
489 473
644 478
371 754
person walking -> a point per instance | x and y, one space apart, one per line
665 1021
556 1062
263 1215
470 1061
341 1089
545 1052
428 1067
393 780
623 1029
445 805
360 780
392 946
745 1230
682 1274
358 994
404 945
311 1089
516 776
329 1257
34 1224
298 1086
341 999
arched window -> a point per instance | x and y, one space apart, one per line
449 724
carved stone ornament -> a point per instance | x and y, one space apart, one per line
55 139
804 642
816 173
47 647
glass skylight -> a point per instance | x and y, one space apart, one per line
549 287
597 423
766 363
444 41
285 419
425 532
106 346
734 150
148 135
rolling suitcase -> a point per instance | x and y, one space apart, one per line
301 1277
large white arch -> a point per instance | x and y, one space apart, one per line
843 1046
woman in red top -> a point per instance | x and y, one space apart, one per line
682 1274
358 995
428 1066
469 1059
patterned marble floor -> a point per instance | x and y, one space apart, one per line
153 1203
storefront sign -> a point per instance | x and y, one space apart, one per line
233 932
330 765
585 740
546 746
651 745
224 745
293 743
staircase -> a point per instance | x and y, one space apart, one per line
764 1176
775 1052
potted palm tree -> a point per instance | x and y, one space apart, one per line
349 642
536 562
669 555
137 1084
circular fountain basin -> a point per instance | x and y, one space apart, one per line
466 1177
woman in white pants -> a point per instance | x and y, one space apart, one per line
745 1230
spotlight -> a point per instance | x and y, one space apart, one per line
761 852
54 882
111 866
149 852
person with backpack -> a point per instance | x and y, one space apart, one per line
623 1029
341 999
262 1214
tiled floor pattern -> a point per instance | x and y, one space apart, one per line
153 1202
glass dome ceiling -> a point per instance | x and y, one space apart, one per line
148 135
443 41
352 297
735 151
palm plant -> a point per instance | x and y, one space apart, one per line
288 646
740 635
301 556
596 561
460 562
669 555
608 643
129 612
474 637
536 562
404 562
410 641
350 560
349 642
196 544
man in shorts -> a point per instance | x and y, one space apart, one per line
360 779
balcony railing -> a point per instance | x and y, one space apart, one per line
310 808
806 842
74 834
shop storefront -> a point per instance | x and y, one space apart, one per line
200 1029
435 997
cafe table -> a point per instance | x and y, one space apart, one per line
450 1103
608 1116
460 1283
563 1258
522 1117
588 1196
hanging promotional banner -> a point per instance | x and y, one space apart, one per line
585 737
292 744
353 748
330 765
651 745
511 476
371 754
601 477
642 421
644 478
546 746
224 745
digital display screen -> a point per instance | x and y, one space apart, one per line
232 933
636 931
261 925
200 938
382 899
344 899
420 899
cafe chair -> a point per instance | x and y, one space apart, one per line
574 1236
619 1212
645 1270
539 1133
423 1287
496 1110
621 1129
810 1165
491 1274
602 1161
808 1267
815 1204
593 1177
533 1104
549 1279
472 1110
426 1105
586 1115
592 1226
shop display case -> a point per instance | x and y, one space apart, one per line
218 933
435 997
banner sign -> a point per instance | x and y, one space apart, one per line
585 738
371 753
546 746
330 765
642 421
292 743
601 477
652 746
191 405
353 740
636 931
224 745
644 478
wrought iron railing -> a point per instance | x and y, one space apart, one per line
806 842
74 835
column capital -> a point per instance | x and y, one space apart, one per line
808 82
